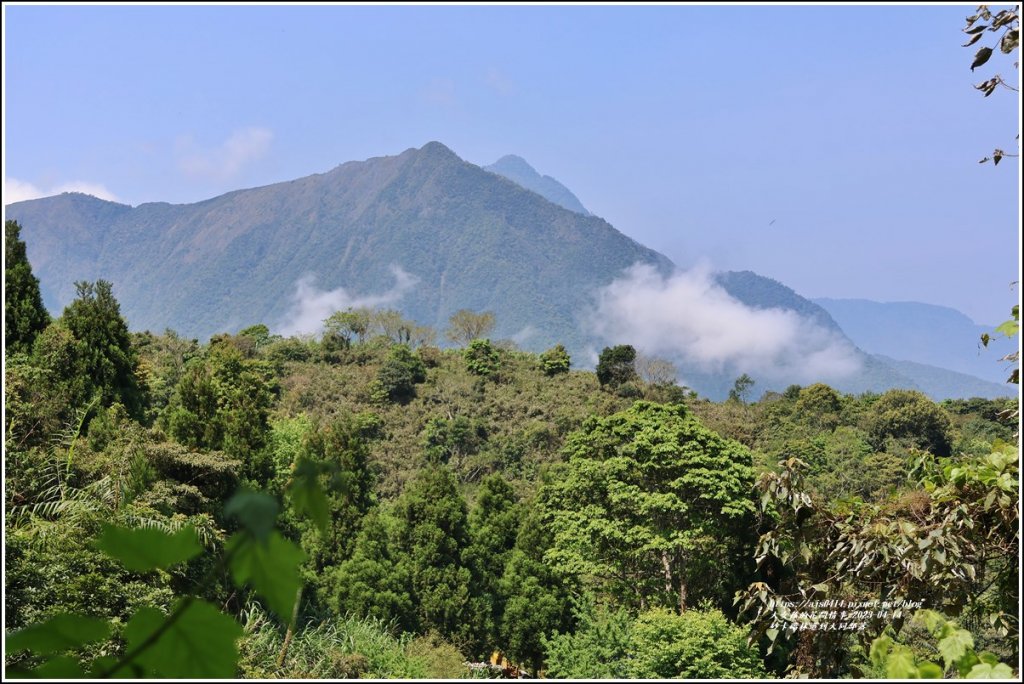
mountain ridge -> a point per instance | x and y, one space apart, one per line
922 333
425 210
423 231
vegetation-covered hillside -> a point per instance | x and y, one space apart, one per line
469 239
363 503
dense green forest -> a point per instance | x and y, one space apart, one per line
363 503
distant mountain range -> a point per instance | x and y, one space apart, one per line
940 383
945 331
922 333
423 231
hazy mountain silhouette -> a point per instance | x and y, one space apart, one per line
516 169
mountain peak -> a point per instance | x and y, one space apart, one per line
519 171
513 163
436 149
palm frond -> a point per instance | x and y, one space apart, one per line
207 534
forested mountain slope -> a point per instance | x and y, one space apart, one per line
466 237
423 232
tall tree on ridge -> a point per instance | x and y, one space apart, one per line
24 314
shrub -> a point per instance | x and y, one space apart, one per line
555 360
482 358
398 376
698 644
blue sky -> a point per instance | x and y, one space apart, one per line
854 128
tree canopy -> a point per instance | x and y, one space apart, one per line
646 500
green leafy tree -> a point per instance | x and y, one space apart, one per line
615 366
699 644
912 417
337 456
43 392
374 582
105 351
482 358
341 326
162 361
555 360
849 467
651 506
194 414
738 393
658 644
453 442
819 406
24 314
465 326
598 648
223 403
253 340
398 376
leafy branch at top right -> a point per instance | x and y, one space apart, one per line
1006 23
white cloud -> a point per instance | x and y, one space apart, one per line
311 305
690 318
223 162
17 191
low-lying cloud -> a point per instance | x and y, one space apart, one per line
18 191
311 305
689 318
524 335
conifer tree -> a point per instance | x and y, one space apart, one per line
24 314
108 359
432 535
493 523
373 583
535 598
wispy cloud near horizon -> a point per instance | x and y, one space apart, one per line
225 161
18 191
